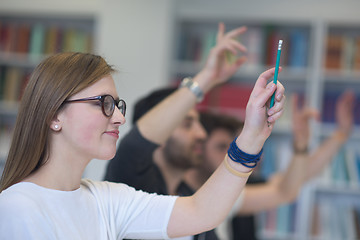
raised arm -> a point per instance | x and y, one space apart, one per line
211 203
283 187
330 146
159 122
296 173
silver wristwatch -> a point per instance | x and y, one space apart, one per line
193 87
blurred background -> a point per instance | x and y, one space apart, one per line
158 42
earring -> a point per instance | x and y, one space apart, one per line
56 126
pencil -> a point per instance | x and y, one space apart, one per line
276 71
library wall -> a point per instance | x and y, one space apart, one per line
153 43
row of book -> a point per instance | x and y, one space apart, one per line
343 52
344 170
232 99
330 220
12 83
279 221
261 42
40 39
336 220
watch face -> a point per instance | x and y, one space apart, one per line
193 87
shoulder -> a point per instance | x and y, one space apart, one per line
119 194
17 199
105 191
19 207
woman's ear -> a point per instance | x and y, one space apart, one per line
55 124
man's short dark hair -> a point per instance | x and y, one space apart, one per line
146 103
212 121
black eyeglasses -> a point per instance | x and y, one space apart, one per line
108 104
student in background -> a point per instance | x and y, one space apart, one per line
168 139
221 130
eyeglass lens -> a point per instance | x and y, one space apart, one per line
109 105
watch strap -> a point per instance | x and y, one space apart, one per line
193 87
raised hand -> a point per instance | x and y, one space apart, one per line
259 119
345 113
218 68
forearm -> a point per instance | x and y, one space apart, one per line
209 206
259 197
269 195
158 124
294 177
212 202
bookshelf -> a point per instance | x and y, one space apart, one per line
24 41
196 37
311 67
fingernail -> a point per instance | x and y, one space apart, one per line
270 86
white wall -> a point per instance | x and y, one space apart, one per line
43 7
287 10
134 35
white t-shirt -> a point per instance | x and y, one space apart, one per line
97 210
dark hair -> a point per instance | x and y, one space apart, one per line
212 121
146 103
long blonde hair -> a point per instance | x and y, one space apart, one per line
53 81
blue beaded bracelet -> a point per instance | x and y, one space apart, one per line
248 160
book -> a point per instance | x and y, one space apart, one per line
10 38
79 43
339 169
51 38
267 165
333 52
23 39
12 84
272 41
283 223
23 82
2 82
350 161
347 55
270 222
298 49
356 58
328 107
253 40
208 42
37 39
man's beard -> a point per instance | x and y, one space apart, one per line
176 154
